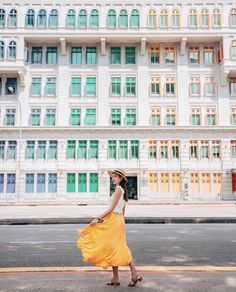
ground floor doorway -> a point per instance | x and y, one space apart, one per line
132 187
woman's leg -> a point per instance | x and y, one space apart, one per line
115 273
133 270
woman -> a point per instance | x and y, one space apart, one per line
105 244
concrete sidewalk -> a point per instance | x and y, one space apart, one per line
172 281
135 213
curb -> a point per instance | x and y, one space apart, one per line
121 268
128 220
141 203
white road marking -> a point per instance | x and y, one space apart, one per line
46 241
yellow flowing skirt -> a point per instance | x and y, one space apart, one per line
104 244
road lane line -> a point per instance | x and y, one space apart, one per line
41 241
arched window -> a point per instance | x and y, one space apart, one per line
94 18
152 18
2 50
2 18
42 18
82 18
123 18
193 21
134 18
70 18
12 50
30 19
233 17
175 18
111 18
164 18
12 19
216 18
205 18
233 49
53 18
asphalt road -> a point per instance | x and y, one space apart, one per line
150 244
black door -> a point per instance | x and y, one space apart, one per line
132 188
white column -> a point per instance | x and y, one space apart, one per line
63 85
142 92
182 90
103 83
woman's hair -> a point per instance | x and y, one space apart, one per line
123 184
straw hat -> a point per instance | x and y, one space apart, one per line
118 171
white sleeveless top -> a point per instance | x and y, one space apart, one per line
121 202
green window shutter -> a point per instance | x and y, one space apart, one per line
82 150
111 18
93 182
51 86
53 18
134 19
75 86
93 149
51 55
76 55
70 19
155 120
37 55
91 55
130 85
112 149
211 119
11 150
70 182
130 55
152 152
29 183
90 117
71 146
82 18
82 182
123 18
30 150
123 149
134 149
75 117
50 117
91 86
41 150
155 88
115 55
130 116
116 116
36 86
170 120
12 18
115 87
41 182
52 150
94 18
10 117
35 117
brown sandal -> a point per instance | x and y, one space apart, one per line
112 283
133 282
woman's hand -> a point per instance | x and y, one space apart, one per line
93 222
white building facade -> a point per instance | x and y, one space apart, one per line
146 86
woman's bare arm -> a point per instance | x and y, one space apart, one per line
115 200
